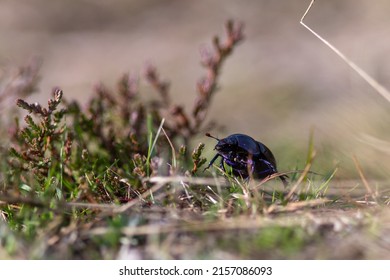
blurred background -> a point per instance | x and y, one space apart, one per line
280 82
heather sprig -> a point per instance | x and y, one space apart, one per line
79 146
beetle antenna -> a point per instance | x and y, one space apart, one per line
211 136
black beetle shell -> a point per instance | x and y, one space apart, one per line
246 155
247 144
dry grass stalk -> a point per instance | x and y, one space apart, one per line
364 180
370 80
295 206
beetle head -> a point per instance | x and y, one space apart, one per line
225 144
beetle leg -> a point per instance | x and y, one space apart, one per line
271 169
212 161
284 180
222 165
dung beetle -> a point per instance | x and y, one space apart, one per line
246 156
